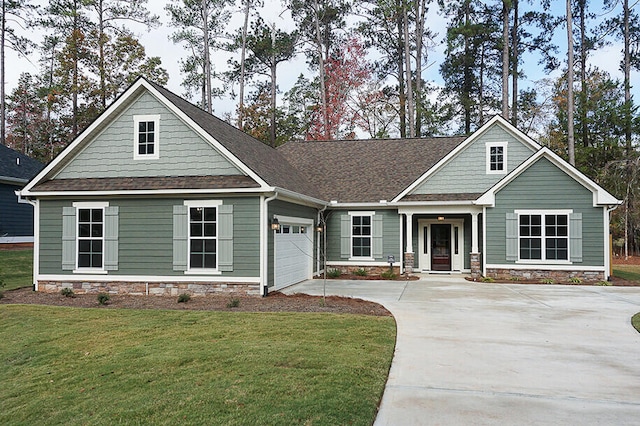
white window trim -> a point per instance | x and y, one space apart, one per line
204 204
156 151
542 236
505 163
361 213
89 205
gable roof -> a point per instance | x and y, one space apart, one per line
496 120
17 167
260 162
366 170
600 196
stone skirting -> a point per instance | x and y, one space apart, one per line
539 274
408 262
371 270
476 267
150 289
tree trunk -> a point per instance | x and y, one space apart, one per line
2 76
74 88
514 61
402 99
466 90
583 75
323 91
570 135
101 43
272 113
207 53
505 59
421 14
407 59
243 52
627 81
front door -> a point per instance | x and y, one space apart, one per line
440 247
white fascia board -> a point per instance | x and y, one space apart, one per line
285 193
441 209
496 119
206 136
147 192
600 195
96 124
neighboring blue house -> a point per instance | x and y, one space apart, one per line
159 197
16 219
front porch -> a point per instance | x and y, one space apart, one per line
442 239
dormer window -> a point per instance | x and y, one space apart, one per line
497 158
146 137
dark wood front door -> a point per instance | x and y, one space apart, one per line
440 247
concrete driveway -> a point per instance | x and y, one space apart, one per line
471 353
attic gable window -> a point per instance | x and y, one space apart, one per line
146 137
496 158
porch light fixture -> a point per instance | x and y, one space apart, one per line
275 225
440 218
319 228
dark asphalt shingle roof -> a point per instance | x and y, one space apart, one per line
147 183
371 170
262 159
24 169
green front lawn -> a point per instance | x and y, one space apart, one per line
102 367
16 268
627 272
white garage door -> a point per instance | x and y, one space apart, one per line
293 253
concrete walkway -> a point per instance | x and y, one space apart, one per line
473 354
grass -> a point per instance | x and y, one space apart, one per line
101 367
635 321
627 272
16 268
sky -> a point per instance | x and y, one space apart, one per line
156 42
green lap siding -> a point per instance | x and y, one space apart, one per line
390 235
545 187
146 236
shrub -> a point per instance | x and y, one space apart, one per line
103 298
184 298
1 286
388 275
487 280
604 283
67 292
361 272
515 278
234 302
548 281
333 273
575 280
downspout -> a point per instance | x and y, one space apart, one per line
607 258
264 258
36 235
324 229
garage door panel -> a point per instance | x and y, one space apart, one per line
293 256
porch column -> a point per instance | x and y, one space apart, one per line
408 254
476 270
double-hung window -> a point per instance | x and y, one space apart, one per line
146 137
90 237
544 236
203 237
361 228
496 158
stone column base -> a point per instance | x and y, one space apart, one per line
408 263
476 268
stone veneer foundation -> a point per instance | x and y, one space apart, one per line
371 270
536 274
150 289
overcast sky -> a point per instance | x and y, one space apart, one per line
157 43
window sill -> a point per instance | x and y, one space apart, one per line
366 259
203 272
546 262
90 271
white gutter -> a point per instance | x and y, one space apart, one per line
36 235
264 243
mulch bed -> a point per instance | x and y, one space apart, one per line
275 302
